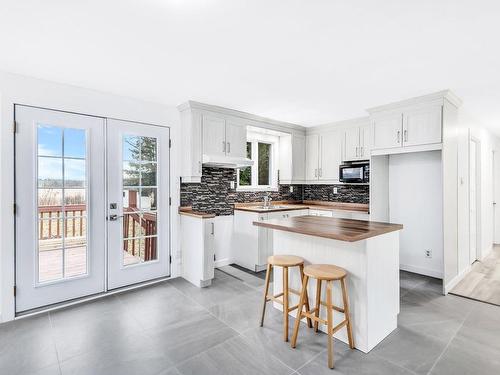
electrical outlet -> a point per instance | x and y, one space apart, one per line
335 190
231 184
291 189
428 253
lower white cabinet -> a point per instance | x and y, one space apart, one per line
252 244
341 214
198 251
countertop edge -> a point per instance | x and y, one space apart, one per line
188 211
315 205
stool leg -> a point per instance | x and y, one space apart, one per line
318 303
299 310
308 308
330 322
266 292
285 304
347 314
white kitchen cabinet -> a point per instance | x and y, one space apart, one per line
422 126
330 155
323 156
357 143
292 159
198 251
236 140
253 245
411 129
387 131
312 157
214 135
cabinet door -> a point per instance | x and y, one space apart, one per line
422 126
298 158
352 150
236 140
214 136
331 155
208 250
364 142
312 157
387 131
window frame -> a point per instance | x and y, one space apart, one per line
255 139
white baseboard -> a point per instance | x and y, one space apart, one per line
421 271
448 287
223 262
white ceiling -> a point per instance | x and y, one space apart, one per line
307 62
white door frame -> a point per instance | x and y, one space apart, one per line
477 179
168 215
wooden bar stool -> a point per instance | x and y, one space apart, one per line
328 273
284 261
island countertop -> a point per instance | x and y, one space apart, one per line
348 230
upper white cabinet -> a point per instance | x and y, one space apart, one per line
324 155
312 157
408 126
387 131
292 158
223 138
422 126
357 143
214 135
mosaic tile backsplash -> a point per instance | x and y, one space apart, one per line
214 195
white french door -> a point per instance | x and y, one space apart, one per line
71 171
138 202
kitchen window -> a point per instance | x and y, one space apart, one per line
262 175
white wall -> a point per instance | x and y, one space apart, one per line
496 194
416 201
30 91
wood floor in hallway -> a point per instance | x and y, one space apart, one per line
482 283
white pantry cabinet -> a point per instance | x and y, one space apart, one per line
312 157
408 129
198 250
292 159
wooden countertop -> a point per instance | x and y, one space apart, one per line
327 227
290 206
188 211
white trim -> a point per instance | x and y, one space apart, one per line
223 262
453 282
407 149
421 271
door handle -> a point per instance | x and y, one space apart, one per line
114 217
213 229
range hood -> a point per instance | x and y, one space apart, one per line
226 161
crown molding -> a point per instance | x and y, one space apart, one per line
233 112
437 97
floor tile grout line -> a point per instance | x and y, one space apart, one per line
449 342
393 363
311 359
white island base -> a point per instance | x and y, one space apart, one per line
372 282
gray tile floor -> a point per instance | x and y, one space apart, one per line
175 328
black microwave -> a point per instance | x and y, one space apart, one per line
355 172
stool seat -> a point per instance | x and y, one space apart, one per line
285 260
325 272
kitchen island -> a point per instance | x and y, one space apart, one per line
367 250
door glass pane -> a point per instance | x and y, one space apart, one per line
140 194
62 203
49 141
50 172
74 173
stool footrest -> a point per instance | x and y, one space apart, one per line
339 326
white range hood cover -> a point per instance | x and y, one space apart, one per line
226 161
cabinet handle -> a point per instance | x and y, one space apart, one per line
213 229
320 172
223 146
361 151
406 135
356 151
199 167
316 172
228 147
399 136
